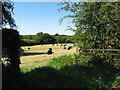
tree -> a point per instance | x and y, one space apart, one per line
48 39
10 44
56 34
44 38
97 23
39 38
11 41
7 11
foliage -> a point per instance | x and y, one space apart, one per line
10 49
63 38
28 42
7 11
97 60
45 38
28 37
97 23
117 81
11 42
99 57
10 45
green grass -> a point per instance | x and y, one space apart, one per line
62 73
61 62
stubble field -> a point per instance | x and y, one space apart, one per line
36 55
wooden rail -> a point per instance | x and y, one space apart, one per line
105 49
100 53
91 53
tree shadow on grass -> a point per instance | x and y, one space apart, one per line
28 54
75 76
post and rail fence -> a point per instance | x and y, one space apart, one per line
110 54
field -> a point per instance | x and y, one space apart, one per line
40 70
60 72
36 55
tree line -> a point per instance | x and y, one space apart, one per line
45 38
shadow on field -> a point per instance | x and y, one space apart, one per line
75 76
28 54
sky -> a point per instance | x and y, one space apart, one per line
34 17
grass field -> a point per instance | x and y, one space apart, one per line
60 72
39 70
36 55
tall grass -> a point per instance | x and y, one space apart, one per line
61 62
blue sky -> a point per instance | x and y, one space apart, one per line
34 17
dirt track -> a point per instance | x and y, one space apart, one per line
36 54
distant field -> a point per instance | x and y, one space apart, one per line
36 54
